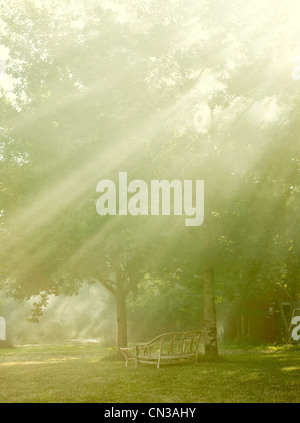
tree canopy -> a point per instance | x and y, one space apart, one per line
179 90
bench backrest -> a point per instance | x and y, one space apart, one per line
173 343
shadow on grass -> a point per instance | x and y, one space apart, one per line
6 345
113 355
203 359
252 357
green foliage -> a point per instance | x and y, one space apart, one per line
173 91
163 306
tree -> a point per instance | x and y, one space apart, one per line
47 87
174 91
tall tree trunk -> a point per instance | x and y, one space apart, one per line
121 317
210 326
210 321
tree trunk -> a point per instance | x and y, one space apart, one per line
210 326
121 317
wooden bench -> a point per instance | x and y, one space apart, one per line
171 347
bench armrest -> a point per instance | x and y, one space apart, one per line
128 351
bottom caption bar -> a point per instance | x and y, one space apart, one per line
149 411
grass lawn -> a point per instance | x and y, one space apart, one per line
85 373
